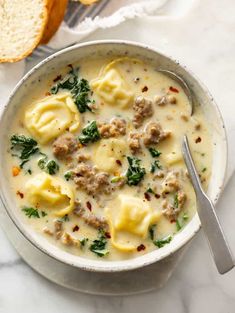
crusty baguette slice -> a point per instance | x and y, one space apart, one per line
88 2
22 24
57 10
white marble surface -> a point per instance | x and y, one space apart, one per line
202 36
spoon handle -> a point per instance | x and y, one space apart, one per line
209 220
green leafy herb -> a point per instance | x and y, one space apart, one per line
42 163
178 225
68 175
135 173
116 179
152 231
181 222
162 242
154 153
25 146
185 217
98 246
154 166
204 169
29 171
31 212
51 167
79 89
90 133
150 190
176 201
65 218
83 242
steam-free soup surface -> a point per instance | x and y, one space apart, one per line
94 158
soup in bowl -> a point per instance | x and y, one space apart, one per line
93 169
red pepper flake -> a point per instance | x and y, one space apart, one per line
173 89
173 221
147 196
157 196
107 235
119 162
71 66
47 93
144 89
75 228
20 194
199 139
89 206
57 78
141 248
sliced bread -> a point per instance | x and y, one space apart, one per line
57 10
88 2
22 24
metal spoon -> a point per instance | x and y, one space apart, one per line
183 84
210 224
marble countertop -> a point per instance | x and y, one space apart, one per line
202 37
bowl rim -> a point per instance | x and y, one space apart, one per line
124 265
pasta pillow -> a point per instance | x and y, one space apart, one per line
48 118
174 157
49 192
108 151
112 88
129 220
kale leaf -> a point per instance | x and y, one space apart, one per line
68 175
65 218
162 242
176 201
135 173
51 167
98 246
154 166
178 225
79 89
154 153
83 242
90 133
152 231
32 212
26 147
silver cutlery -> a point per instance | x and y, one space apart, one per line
210 224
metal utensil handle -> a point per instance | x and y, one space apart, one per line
209 220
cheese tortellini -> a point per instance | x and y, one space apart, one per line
112 88
49 117
108 152
129 220
49 192
174 157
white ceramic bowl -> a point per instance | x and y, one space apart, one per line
115 48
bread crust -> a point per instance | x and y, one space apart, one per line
57 10
88 2
45 14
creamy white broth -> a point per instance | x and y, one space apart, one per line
174 118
